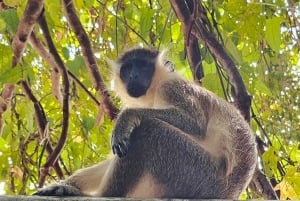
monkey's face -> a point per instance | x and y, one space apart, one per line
136 74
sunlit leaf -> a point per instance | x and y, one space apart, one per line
12 3
2 24
286 190
273 33
270 160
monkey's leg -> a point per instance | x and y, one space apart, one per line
83 182
163 162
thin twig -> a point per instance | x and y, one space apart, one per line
66 88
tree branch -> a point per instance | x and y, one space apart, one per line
191 43
65 123
194 58
89 57
31 14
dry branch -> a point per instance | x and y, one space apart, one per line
90 60
200 28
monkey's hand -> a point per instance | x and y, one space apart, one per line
126 123
120 141
120 148
59 190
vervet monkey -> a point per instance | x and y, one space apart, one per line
173 139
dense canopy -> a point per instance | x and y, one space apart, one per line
56 108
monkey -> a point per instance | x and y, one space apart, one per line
172 139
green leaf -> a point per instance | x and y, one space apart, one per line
11 75
66 52
88 123
76 64
11 19
146 21
231 48
211 82
270 161
2 24
273 34
176 32
28 113
261 86
2 143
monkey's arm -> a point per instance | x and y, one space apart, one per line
83 182
131 118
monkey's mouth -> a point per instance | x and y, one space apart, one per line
136 91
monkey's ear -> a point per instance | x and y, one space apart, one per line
170 65
115 66
163 61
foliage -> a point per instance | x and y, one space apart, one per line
261 36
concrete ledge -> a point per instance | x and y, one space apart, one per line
51 198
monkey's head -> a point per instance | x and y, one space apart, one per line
138 71
137 67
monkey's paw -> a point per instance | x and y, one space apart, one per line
58 190
119 146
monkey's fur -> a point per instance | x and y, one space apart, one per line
173 139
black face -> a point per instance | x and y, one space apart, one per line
137 73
